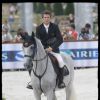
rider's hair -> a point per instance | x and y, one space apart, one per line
46 12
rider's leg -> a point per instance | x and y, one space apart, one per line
61 65
59 58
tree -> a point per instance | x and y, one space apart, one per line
40 8
48 7
69 9
58 9
35 7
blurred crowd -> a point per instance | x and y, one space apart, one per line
69 32
7 25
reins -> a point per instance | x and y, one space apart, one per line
40 76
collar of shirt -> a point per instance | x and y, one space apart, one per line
46 26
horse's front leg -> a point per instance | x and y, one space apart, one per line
37 94
51 95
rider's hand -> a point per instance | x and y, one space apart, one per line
49 49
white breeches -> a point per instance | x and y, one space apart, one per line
59 58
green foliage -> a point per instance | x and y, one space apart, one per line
58 9
48 7
35 7
69 9
40 7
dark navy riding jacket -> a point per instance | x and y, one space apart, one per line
53 32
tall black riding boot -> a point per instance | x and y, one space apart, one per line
61 84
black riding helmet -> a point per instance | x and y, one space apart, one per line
27 38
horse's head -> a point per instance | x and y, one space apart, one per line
29 48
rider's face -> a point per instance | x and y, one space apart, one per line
46 18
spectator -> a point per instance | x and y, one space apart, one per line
71 18
6 36
17 38
6 25
11 20
87 27
12 9
54 19
67 21
83 35
73 33
66 35
87 31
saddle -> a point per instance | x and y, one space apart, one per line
56 65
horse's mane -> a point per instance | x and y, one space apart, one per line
39 45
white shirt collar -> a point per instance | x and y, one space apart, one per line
46 26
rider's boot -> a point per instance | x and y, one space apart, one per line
61 84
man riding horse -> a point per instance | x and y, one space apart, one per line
51 38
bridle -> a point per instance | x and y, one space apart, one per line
35 52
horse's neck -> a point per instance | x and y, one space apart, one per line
40 66
40 50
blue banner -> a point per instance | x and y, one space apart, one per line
81 54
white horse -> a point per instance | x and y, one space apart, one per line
43 76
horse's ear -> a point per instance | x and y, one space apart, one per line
33 34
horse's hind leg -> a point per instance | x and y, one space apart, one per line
51 95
